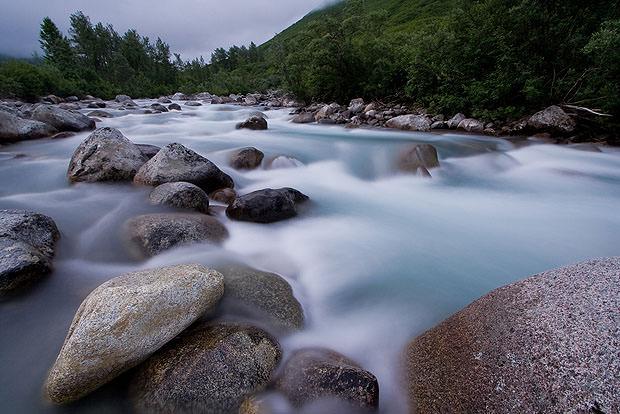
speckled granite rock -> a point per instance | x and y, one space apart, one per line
62 119
246 158
27 242
125 320
13 128
207 369
253 122
552 119
181 195
410 123
549 343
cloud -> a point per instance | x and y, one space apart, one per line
191 27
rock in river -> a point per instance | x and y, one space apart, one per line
27 242
224 195
410 123
246 158
266 206
210 368
181 195
419 156
177 163
152 234
549 343
62 119
253 122
303 118
312 374
125 320
106 155
13 128
552 119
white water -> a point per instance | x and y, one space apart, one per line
375 258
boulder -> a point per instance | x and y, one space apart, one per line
174 163
254 123
70 106
180 195
151 234
62 119
122 98
174 107
283 161
549 343
98 113
454 122
210 368
552 119
13 128
106 155
266 206
313 374
303 118
356 106
159 107
410 123
164 100
439 125
471 125
246 158
125 320
97 104
264 296
192 103
179 97
326 111
52 99
148 150
27 243
418 156
224 195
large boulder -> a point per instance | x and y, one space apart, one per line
27 242
418 156
13 128
549 343
106 155
180 195
152 234
158 107
264 296
125 320
313 374
62 119
471 125
210 368
254 123
266 206
246 158
552 119
410 123
176 163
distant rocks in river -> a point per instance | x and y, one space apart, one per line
61 119
106 155
125 320
159 107
210 368
254 123
246 158
266 206
27 246
180 195
13 128
98 113
549 343
192 103
122 98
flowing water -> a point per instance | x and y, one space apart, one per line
375 258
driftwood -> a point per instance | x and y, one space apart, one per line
587 110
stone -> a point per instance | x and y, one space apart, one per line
100 114
151 234
283 161
52 99
175 162
410 123
439 125
312 374
418 155
179 97
159 107
224 195
210 368
125 320
549 343
552 119
97 104
180 195
454 122
254 123
192 103
164 100
62 119
266 206
471 125
246 158
261 296
70 106
148 150
174 107
106 155
326 111
303 118
122 98
27 246
13 128
356 106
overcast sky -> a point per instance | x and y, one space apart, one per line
191 27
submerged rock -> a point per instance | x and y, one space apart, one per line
62 119
125 320
266 206
27 244
549 343
246 158
13 128
210 368
106 155
552 119
312 374
192 103
418 156
152 234
181 195
176 163
253 122
410 123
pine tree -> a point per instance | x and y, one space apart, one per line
55 45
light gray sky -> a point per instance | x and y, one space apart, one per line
191 27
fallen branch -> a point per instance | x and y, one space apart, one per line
584 109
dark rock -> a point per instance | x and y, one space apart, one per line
254 123
224 195
246 158
70 106
62 119
98 104
72 98
13 128
303 118
266 206
177 163
27 242
152 234
549 343
207 369
52 99
100 114
552 119
106 155
316 373
410 123
66 134
193 103
174 107
181 195
148 150
159 107
164 100
454 122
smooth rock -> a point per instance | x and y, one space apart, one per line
192 103
254 123
180 195
224 195
266 206
70 106
179 97
13 128
552 119
418 155
174 107
122 98
125 320
303 118
62 119
410 123
164 100
246 158
159 107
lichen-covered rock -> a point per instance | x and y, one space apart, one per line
106 155
549 343
125 320
246 158
266 206
552 119
27 243
410 123
418 156
180 195
13 128
210 368
62 119
175 163
253 122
